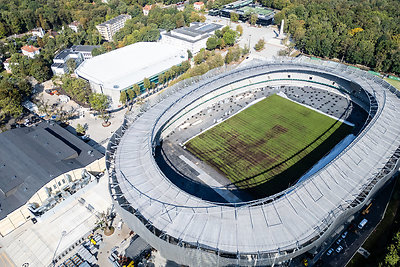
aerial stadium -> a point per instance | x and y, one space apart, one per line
256 165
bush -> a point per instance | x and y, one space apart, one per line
80 129
259 45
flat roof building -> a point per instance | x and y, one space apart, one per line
59 66
33 161
120 69
85 50
110 27
191 38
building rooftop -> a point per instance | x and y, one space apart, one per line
197 29
147 7
114 20
84 48
32 157
64 53
75 23
29 48
57 65
128 65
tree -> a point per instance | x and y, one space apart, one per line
259 45
39 70
185 66
253 19
229 37
146 84
71 65
392 258
123 98
239 29
100 103
233 54
245 50
212 42
80 130
234 17
190 55
131 94
161 79
136 89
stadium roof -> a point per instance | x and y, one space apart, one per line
300 215
32 157
126 66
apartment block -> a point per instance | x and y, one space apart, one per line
109 28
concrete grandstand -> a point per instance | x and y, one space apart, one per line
194 231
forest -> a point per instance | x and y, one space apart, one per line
356 31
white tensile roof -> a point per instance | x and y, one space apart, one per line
128 65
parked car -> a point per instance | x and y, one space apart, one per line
329 252
362 224
339 240
339 248
344 235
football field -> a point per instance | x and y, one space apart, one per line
265 140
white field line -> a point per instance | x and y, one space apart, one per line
250 104
282 94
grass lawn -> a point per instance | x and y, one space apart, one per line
265 140
395 83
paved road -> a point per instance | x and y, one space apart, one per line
356 237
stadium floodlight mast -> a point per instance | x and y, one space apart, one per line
53 262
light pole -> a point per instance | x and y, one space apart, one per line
249 40
63 233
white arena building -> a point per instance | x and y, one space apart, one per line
267 231
120 69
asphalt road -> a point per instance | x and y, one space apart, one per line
356 237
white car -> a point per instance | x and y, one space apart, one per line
344 235
329 252
339 248
362 223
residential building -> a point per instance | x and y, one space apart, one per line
39 32
85 50
191 38
7 65
146 9
120 69
59 66
109 28
30 51
74 26
180 6
198 5
38 166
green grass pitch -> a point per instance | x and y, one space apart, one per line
264 140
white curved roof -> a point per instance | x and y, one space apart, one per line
128 65
297 217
